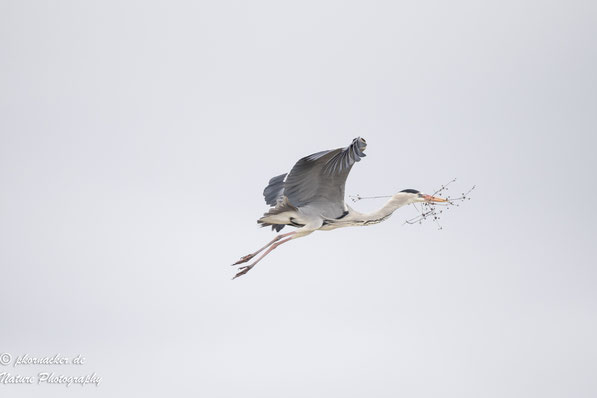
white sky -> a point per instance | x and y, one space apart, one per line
136 139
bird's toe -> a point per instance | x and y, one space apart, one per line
243 270
244 259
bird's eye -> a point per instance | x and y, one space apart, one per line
362 139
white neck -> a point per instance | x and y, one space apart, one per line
384 212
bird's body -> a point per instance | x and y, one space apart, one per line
311 198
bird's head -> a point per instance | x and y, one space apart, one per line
408 196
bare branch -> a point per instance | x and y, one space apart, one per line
433 211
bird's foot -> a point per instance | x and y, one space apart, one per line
243 270
244 259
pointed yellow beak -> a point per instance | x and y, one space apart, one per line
430 198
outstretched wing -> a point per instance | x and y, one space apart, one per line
317 181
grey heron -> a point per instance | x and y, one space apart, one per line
311 198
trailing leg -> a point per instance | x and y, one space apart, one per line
247 268
246 258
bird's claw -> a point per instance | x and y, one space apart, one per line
243 270
244 259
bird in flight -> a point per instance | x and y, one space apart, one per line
311 198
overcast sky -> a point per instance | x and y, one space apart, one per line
135 142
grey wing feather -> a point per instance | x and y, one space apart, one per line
274 190
274 196
316 182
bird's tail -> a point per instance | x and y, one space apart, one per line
275 227
275 216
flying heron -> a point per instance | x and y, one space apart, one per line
311 198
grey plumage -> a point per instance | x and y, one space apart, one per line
274 190
315 185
